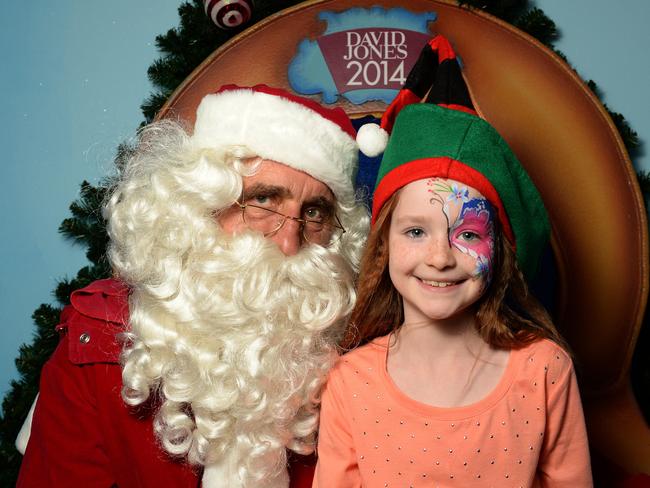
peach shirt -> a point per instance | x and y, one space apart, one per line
529 431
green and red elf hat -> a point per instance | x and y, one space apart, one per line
443 137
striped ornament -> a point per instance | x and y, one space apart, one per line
229 14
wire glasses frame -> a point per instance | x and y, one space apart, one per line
312 231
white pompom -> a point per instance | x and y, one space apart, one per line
372 139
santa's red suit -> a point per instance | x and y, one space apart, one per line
83 434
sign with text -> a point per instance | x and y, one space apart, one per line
371 58
364 54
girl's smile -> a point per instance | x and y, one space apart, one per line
440 284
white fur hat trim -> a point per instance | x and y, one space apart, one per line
280 130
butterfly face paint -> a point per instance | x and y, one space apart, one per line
470 218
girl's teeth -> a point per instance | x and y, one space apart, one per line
439 284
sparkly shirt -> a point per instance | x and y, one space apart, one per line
529 431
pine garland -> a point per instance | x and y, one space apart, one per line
182 49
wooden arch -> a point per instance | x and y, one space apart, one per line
572 150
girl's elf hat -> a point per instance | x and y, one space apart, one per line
444 138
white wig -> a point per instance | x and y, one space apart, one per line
227 335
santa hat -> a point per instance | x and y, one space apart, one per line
444 138
282 127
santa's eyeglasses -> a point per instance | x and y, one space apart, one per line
316 227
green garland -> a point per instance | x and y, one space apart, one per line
182 49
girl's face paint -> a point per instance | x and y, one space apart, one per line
470 218
473 234
441 242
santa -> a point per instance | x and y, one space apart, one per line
234 248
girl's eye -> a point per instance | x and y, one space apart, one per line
415 233
469 236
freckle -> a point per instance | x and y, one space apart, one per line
541 434
367 383
426 424
517 436
526 422
376 421
492 462
424 475
513 410
399 473
399 448
411 461
450 451
465 463
451 476
531 448
401 422
478 475
491 436
478 423
523 396
478 450
519 462
438 437
507 476
373 471
557 357
387 460
535 383
365 409
389 409
552 382
388 434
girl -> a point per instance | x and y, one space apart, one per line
461 378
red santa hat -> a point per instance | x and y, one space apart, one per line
282 127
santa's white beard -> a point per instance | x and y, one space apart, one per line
236 342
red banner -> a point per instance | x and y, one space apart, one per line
371 58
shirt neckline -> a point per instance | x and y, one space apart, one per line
446 413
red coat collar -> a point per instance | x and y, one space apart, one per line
94 321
